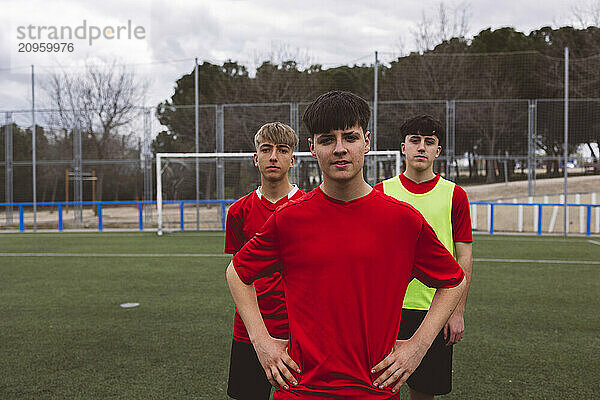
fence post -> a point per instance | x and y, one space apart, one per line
594 197
375 101
491 218
519 216
554 214
450 138
100 224
141 215
60 218
566 146
21 222
181 218
223 215
8 171
147 164
531 145
294 118
77 176
539 221
535 213
197 142
220 143
588 230
295 124
581 213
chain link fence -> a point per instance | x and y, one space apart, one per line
496 130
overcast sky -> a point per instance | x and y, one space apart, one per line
316 31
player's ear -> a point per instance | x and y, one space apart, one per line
438 152
367 141
255 159
311 146
403 148
292 160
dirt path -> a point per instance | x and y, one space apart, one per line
543 187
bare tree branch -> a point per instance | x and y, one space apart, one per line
443 24
585 13
99 101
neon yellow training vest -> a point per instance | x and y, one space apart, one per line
436 207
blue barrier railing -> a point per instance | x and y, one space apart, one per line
140 205
492 206
99 204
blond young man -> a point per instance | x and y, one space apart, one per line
275 143
346 253
446 208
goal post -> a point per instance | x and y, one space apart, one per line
305 173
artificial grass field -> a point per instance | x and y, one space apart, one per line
532 329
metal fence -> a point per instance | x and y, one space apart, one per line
487 140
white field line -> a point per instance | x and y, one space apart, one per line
501 260
36 235
518 260
110 255
533 238
594 242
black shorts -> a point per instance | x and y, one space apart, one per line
434 374
247 378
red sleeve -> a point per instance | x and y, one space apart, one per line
379 187
260 255
434 265
461 216
234 235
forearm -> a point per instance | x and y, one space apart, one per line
464 253
244 297
443 304
467 266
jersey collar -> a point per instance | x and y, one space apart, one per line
289 196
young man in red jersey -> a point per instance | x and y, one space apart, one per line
346 252
275 143
446 208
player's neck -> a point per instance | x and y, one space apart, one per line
419 176
275 190
346 190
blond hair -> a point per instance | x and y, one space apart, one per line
276 133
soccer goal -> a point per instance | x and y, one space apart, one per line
194 190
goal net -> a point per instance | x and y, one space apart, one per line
194 190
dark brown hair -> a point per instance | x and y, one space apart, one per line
336 110
424 125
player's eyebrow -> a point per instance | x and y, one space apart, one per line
420 135
322 135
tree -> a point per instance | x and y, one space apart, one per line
218 84
101 102
584 83
441 25
585 13
22 147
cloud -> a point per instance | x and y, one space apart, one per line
325 32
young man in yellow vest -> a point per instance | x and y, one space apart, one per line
446 208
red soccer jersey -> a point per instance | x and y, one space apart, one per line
344 267
244 218
461 215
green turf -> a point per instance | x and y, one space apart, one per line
531 329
